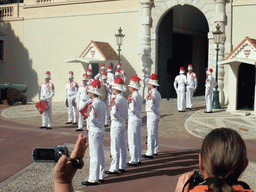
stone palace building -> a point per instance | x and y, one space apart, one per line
160 37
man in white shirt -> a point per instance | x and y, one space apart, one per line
122 72
96 120
210 83
135 102
47 92
119 115
191 86
71 91
99 75
153 100
179 85
82 98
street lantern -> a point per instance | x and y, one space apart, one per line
119 41
217 40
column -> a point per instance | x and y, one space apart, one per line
219 18
145 44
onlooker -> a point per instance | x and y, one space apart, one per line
64 171
222 160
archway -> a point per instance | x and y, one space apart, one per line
246 86
181 40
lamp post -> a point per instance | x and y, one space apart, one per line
119 41
217 40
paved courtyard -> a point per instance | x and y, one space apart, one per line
180 137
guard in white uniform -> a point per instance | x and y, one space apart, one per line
119 115
210 83
47 92
96 120
99 75
122 72
110 80
82 98
89 76
179 85
71 91
153 100
106 101
191 86
134 121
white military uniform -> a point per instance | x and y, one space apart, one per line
107 103
179 85
119 116
89 81
81 99
99 76
123 75
191 88
134 127
153 117
110 80
96 135
47 92
71 91
210 83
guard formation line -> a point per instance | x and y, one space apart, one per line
100 102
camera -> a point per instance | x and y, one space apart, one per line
194 180
49 154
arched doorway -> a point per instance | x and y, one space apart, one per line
246 86
181 40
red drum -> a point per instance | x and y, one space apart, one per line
41 106
84 111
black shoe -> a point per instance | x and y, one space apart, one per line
74 123
208 111
139 163
122 170
187 108
109 172
42 127
155 154
181 111
48 127
68 123
87 183
105 125
101 181
79 129
132 164
147 156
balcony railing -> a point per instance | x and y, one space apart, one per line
44 1
6 12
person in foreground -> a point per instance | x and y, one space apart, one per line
64 171
222 160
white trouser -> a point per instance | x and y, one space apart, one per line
80 121
47 114
181 98
152 128
118 147
107 112
134 138
208 99
97 159
70 109
189 95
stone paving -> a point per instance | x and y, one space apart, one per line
172 125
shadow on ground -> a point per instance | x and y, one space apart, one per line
166 163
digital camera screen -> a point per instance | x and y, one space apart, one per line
45 154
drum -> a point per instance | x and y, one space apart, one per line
41 106
84 110
104 92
